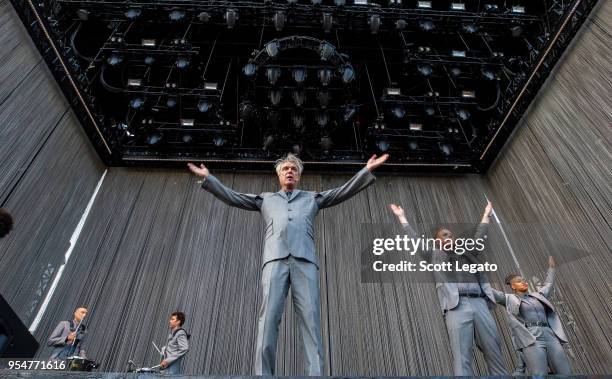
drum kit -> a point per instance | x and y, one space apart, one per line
76 363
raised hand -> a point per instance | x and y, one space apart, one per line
374 161
551 261
198 170
398 211
487 213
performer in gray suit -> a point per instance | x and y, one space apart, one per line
66 340
177 345
536 328
289 257
465 304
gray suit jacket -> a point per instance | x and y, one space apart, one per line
58 341
289 221
176 347
448 292
520 334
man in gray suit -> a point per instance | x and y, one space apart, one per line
466 303
66 340
177 345
289 257
536 327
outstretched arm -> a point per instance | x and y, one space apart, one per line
211 184
499 296
398 211
357 183
483 227
550 277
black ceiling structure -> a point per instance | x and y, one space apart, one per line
440 85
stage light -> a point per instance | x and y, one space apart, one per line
488 73
273 74
374 23
470 28
218 141
429 111
137 103
149 61
275 97
382 144
171 102
413 146
272 48
182 63
516 31
491 7
204 106
393 91
292 1
322 119
462 114
278 20
189 122
249 70
425 69
133 13
326 50
204 17
457 6
415 127
297 119
325 76
210 86
268 141
231 15
298 97
455 71
326 143
398 111
115 60
424 49
518 9
83 14
400 24
349 112
446 149
296 149
360 2
187 138
328 22
427 25
316 2
424 4
148 42
154 138
458 53
468 94
348 74
339 3
299 75
176 15
395 3
134 82
324 98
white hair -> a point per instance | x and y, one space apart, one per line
289 158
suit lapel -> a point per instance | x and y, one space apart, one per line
543 299
294 194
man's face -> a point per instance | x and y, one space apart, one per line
79 314
288 176
446 236
174 322
519 284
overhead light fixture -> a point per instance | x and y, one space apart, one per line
382 144
458 53
393 91
137 103
413 145
231 15
133 13
361 2
182 63
446 149
134 82
339 3
516 31
188 122
398 111
518 9
400 24
488 73
187 138
299 97
297 119
429 110
272 48
415 127
462 114
171 102
278 20
316 2
455 71
322 119
468 94
154 138
149 60
148 42
210 86
374 23
424 4
176 15
349 112
395 3
204 106
299 75
204 17
292 2
425 69
491 7
325 76
457 6
249 70
83 14
348 74
273 74
219 141
326 50
115 59
328 22
427 25
275 96
268 141
470 28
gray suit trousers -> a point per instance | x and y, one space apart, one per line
546 351
469 320
276 277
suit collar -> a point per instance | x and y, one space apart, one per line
294 194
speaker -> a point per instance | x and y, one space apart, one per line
16 341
